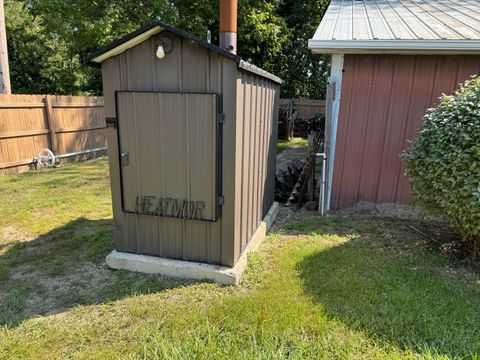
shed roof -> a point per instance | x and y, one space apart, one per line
157 26
420 26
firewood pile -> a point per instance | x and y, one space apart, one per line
286 179
303 127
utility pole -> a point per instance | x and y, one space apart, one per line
5 87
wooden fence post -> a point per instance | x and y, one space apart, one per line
51 124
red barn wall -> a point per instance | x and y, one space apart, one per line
384 98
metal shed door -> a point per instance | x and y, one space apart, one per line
168 154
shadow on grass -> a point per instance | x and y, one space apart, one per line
401 298
65 268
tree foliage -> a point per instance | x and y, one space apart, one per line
40 61
444 161
305 73
48 39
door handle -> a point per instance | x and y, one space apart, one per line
125 159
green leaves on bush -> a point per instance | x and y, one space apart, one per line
444 161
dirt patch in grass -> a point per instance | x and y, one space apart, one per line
441 237
66 268
405 234
12 234
434 233
51 295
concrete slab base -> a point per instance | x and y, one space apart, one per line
193 270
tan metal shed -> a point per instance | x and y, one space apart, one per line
391 60
192 146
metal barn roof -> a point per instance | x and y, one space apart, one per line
157 26
415 26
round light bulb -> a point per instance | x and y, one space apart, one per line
160 52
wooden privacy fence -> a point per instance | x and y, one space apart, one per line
305 108
63 124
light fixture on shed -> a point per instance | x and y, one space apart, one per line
164 46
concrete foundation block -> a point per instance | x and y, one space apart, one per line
193 270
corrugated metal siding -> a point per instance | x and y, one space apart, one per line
257 118
384 98
187 69
400 20
192 68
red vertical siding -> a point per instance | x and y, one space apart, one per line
384 98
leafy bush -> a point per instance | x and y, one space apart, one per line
444 161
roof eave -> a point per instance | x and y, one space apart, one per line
107 53
394 46
145 32
259 71
157 26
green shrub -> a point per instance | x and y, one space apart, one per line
444 161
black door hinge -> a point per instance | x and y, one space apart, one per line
221 118
221 200
111 122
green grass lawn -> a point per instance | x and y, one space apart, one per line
338 287
283 145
